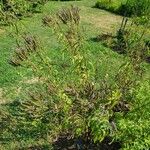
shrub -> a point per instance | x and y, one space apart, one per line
127 40
110 5
125 7
12 10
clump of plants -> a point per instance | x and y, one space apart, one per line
125 7
110 5
127 40
71 99
12 10
24 50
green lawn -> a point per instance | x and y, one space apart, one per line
94 22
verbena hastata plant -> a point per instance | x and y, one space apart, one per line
131 39
133 43
133 128
69 99
128 41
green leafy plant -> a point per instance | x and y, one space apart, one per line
127 40
69 99
125 7
12 10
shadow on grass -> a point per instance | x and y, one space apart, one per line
63 143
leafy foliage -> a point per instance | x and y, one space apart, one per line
11 10
70 98
126 7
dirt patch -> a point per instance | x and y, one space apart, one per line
31 81
2 100
2 31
